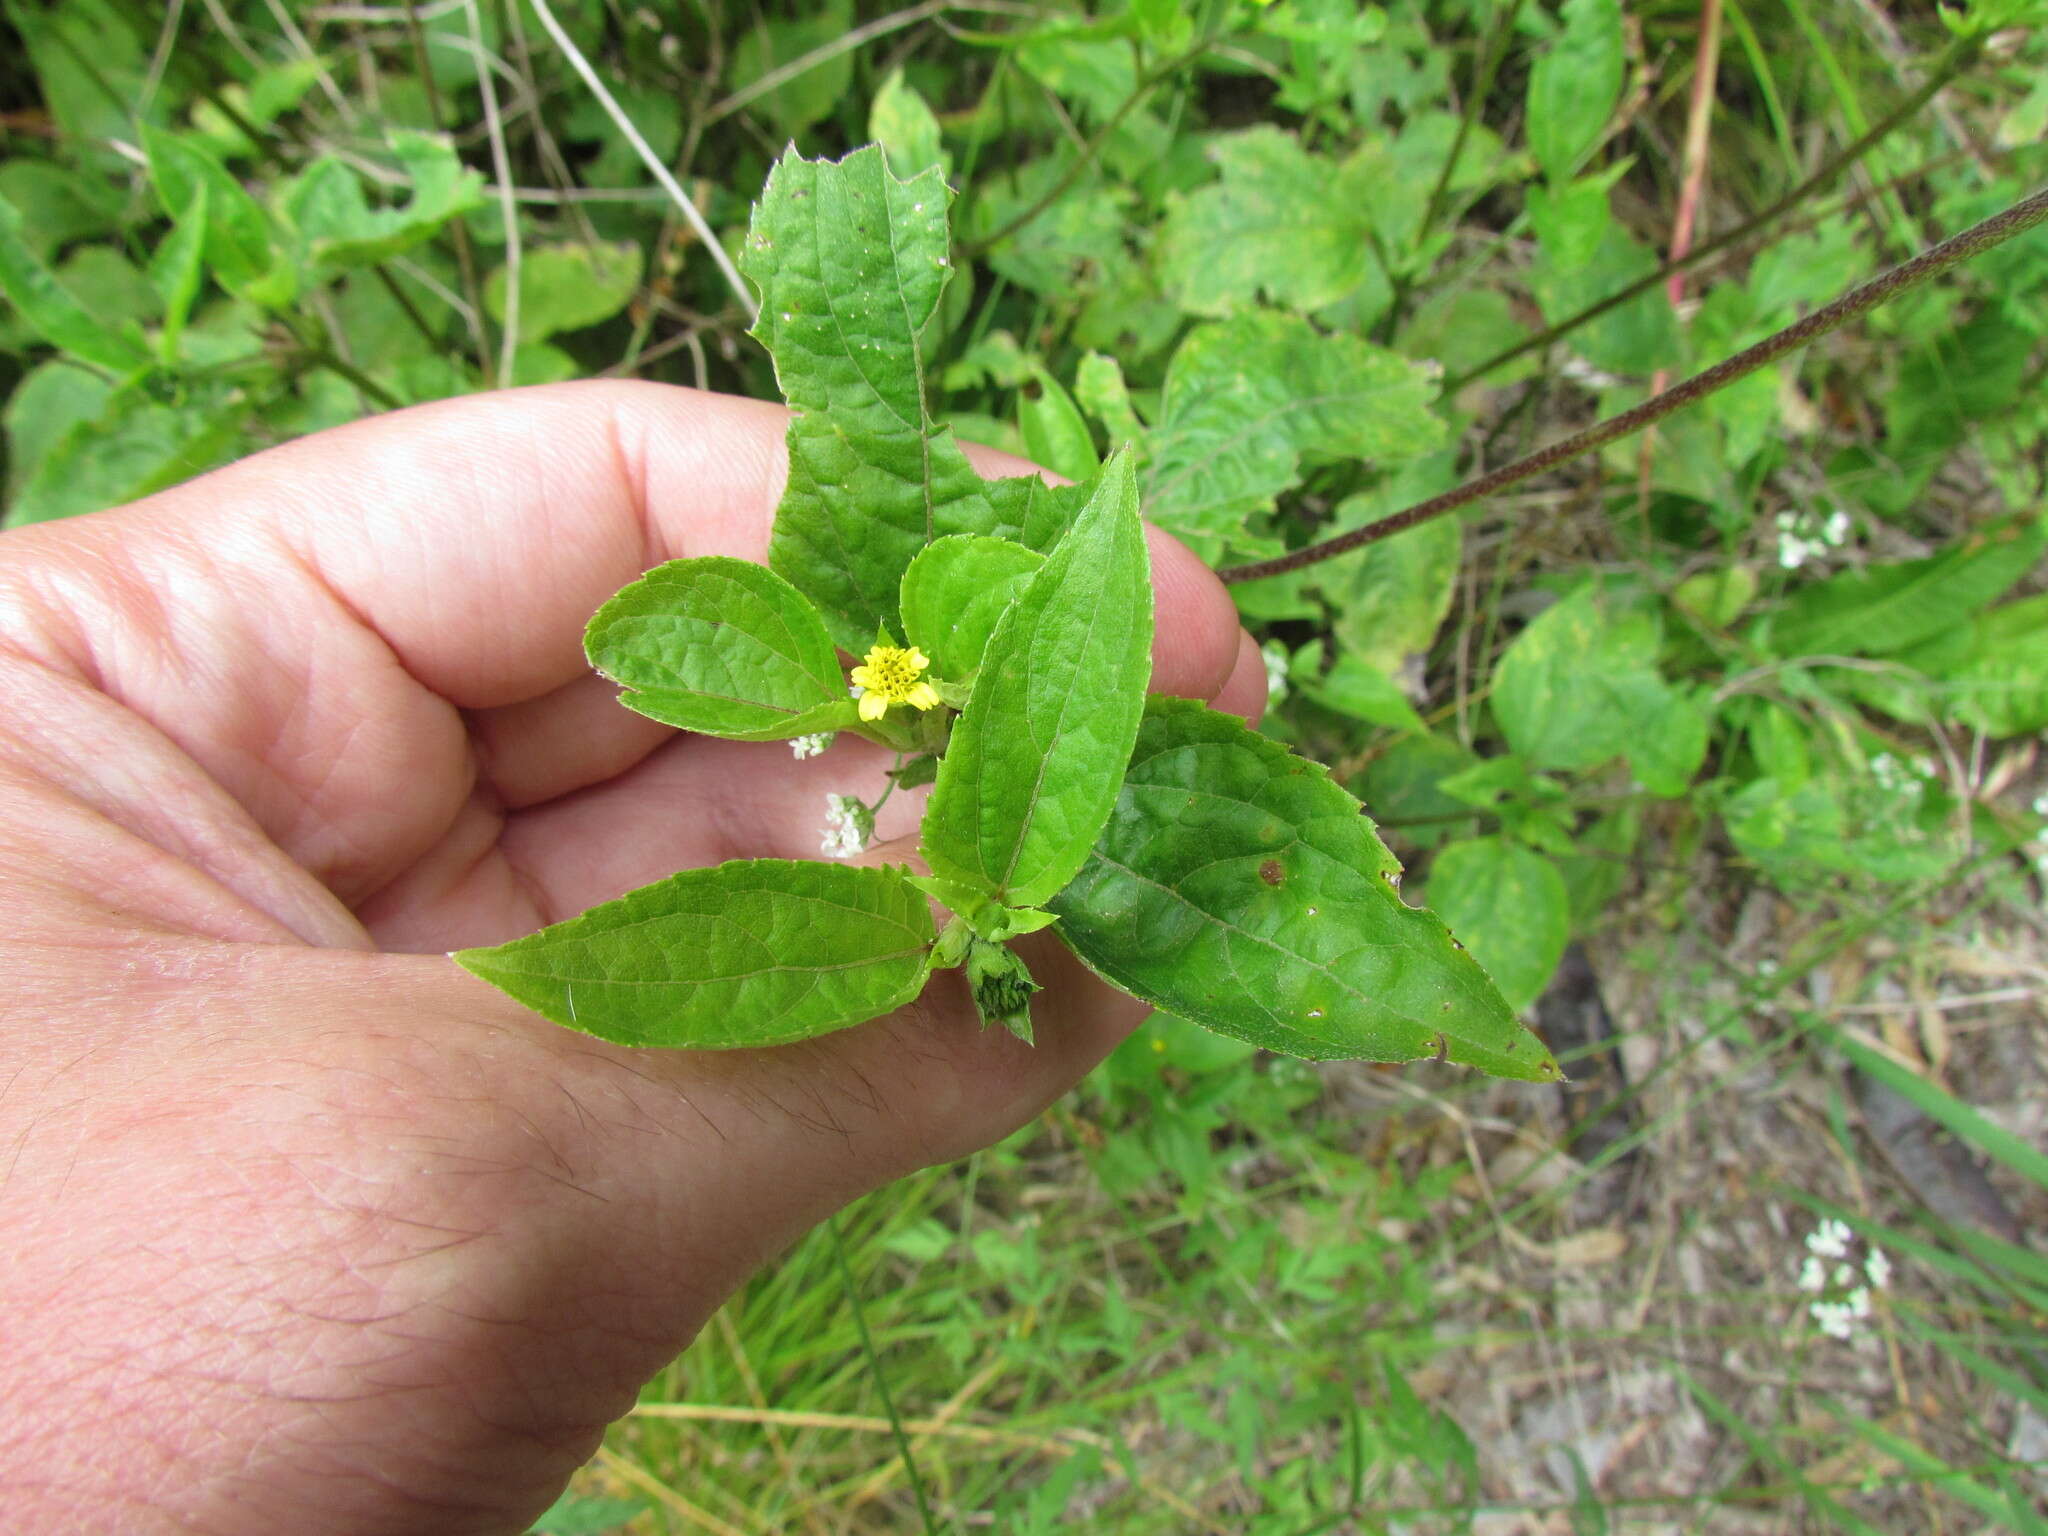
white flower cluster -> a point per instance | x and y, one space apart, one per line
1795 548
1839 1288
801 747
848 826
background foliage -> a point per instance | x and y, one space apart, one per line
1748 709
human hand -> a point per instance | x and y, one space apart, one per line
306 1229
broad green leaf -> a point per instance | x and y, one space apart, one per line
135 445
1391 597
1246 397
340 229
57 204
1570 221
567 287
1887 608
903 123
755 952
1236 886
1355 687
1575 86
1509 905
1575 686
1670 739
51 399
811 95
721 646
1072 247
955 591
1279 221
1638 337
2002 687
53 313
851 263
241 247
1030 773
1054 432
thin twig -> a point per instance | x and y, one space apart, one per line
645 151
1952 63
508 212
465 253
1997 229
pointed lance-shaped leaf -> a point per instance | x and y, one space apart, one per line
1237 886
1031 772
754 952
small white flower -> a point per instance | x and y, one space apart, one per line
848 826
1830 1239
1813 1275
1877 1269
1834 1319
802 747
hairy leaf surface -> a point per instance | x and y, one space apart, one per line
1030 774
1237 886
721 646
850 263
955 592
754 952
1246 397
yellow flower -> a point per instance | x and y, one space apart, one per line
892 675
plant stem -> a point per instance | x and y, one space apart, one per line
1997 229
1957 58
465 253
1482 86
867 1345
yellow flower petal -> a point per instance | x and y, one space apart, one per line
923 696
873 706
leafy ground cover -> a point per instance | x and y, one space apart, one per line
1719 747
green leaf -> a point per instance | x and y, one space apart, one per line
57 204
136 444
851 263
53 313
754 952
1576 686
1030 774
1669 741
1099 390
1246 397
1887 608
1355 687
1237 886
1054 432
51 399
241 246
982 917
178 270
1391 597
808 97
954 593
721 646
2002 688
1576 85
341 230
567 287
903 123
1279 221
1510 906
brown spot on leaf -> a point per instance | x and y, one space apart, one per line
1271 872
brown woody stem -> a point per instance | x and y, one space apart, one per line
2019 218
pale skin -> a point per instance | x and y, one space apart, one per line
302 1228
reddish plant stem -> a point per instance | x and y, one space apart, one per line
1997 229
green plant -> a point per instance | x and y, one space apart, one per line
1183 857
